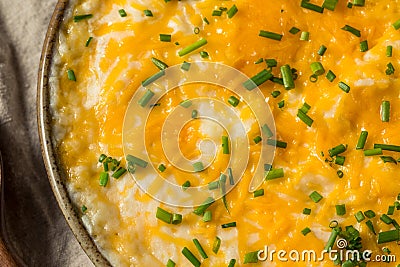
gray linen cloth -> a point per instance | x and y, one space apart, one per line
35 230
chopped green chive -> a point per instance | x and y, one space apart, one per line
386 219
306 231
89 40
330 76
204 54
225 144
216 244
369 214
390 69
359 216
339 160
306 4
304 36
315 196
189 255
388 236
388 147
385 111
258 79
373 152
153 78
317 68
162 167
322 49
196 30
352 30
267 131
396 25
232 11
370 226
390 210
200 248
281 104
274 174
294 30
389 51
257 139
207 216
186 185
362 140
206 20
170 263
337 150
340 209
364 46
165 37
344 87
251 257
233 101
82 17
102 158
306 211
388 159
305 118
122 13
159 64
359 2
185 66
176 218
137 161
340 173
198 166
192 47
119 172
349 5
258 193
276 143
271 62
195 114
230 174
332 238
164 215
330 4
213 185
228 225
232 263
71 75
148 13
217 13
83 208
104 178
203 207
186 103
260 60
287 77
270 35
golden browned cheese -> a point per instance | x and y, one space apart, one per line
89 115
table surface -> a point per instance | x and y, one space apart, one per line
35 229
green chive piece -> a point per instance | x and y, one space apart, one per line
305 118
322 49
186 103
185 66
233 101
148 13
306 211
362 140
206 21
170 263
258 79
275 94
195 114
369 214
71 75
196 30
373 152
364 46
251 257
186 185
216 244
89 40
228 225
388 159
257 139
330 76
104 178
340 173
200 248
337 150
164 215
260 60
189 255
153 78
207 216
276 143
339 160
306 4
340 209
271 62
332 238
119 172
213 185
267 131
315 196
388 236
386 219
370 226
305 231
258 193
192 47
344 87
304 36
389 51
390 69
388 147
349 5
270 35
198 166
232 263
385 111
122 13
82 17
330 4
83 208
390 210
159 64
137 161
232 11
274 174
204 54
281 104
217 13
162 167
396 25
203 207
294 30
305 108
176 218
352 30
230 174
102 158
287 77
165 37
359 2
359 216
225 144
267 167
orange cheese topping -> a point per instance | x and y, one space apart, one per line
90 114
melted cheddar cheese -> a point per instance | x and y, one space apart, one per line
88 117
